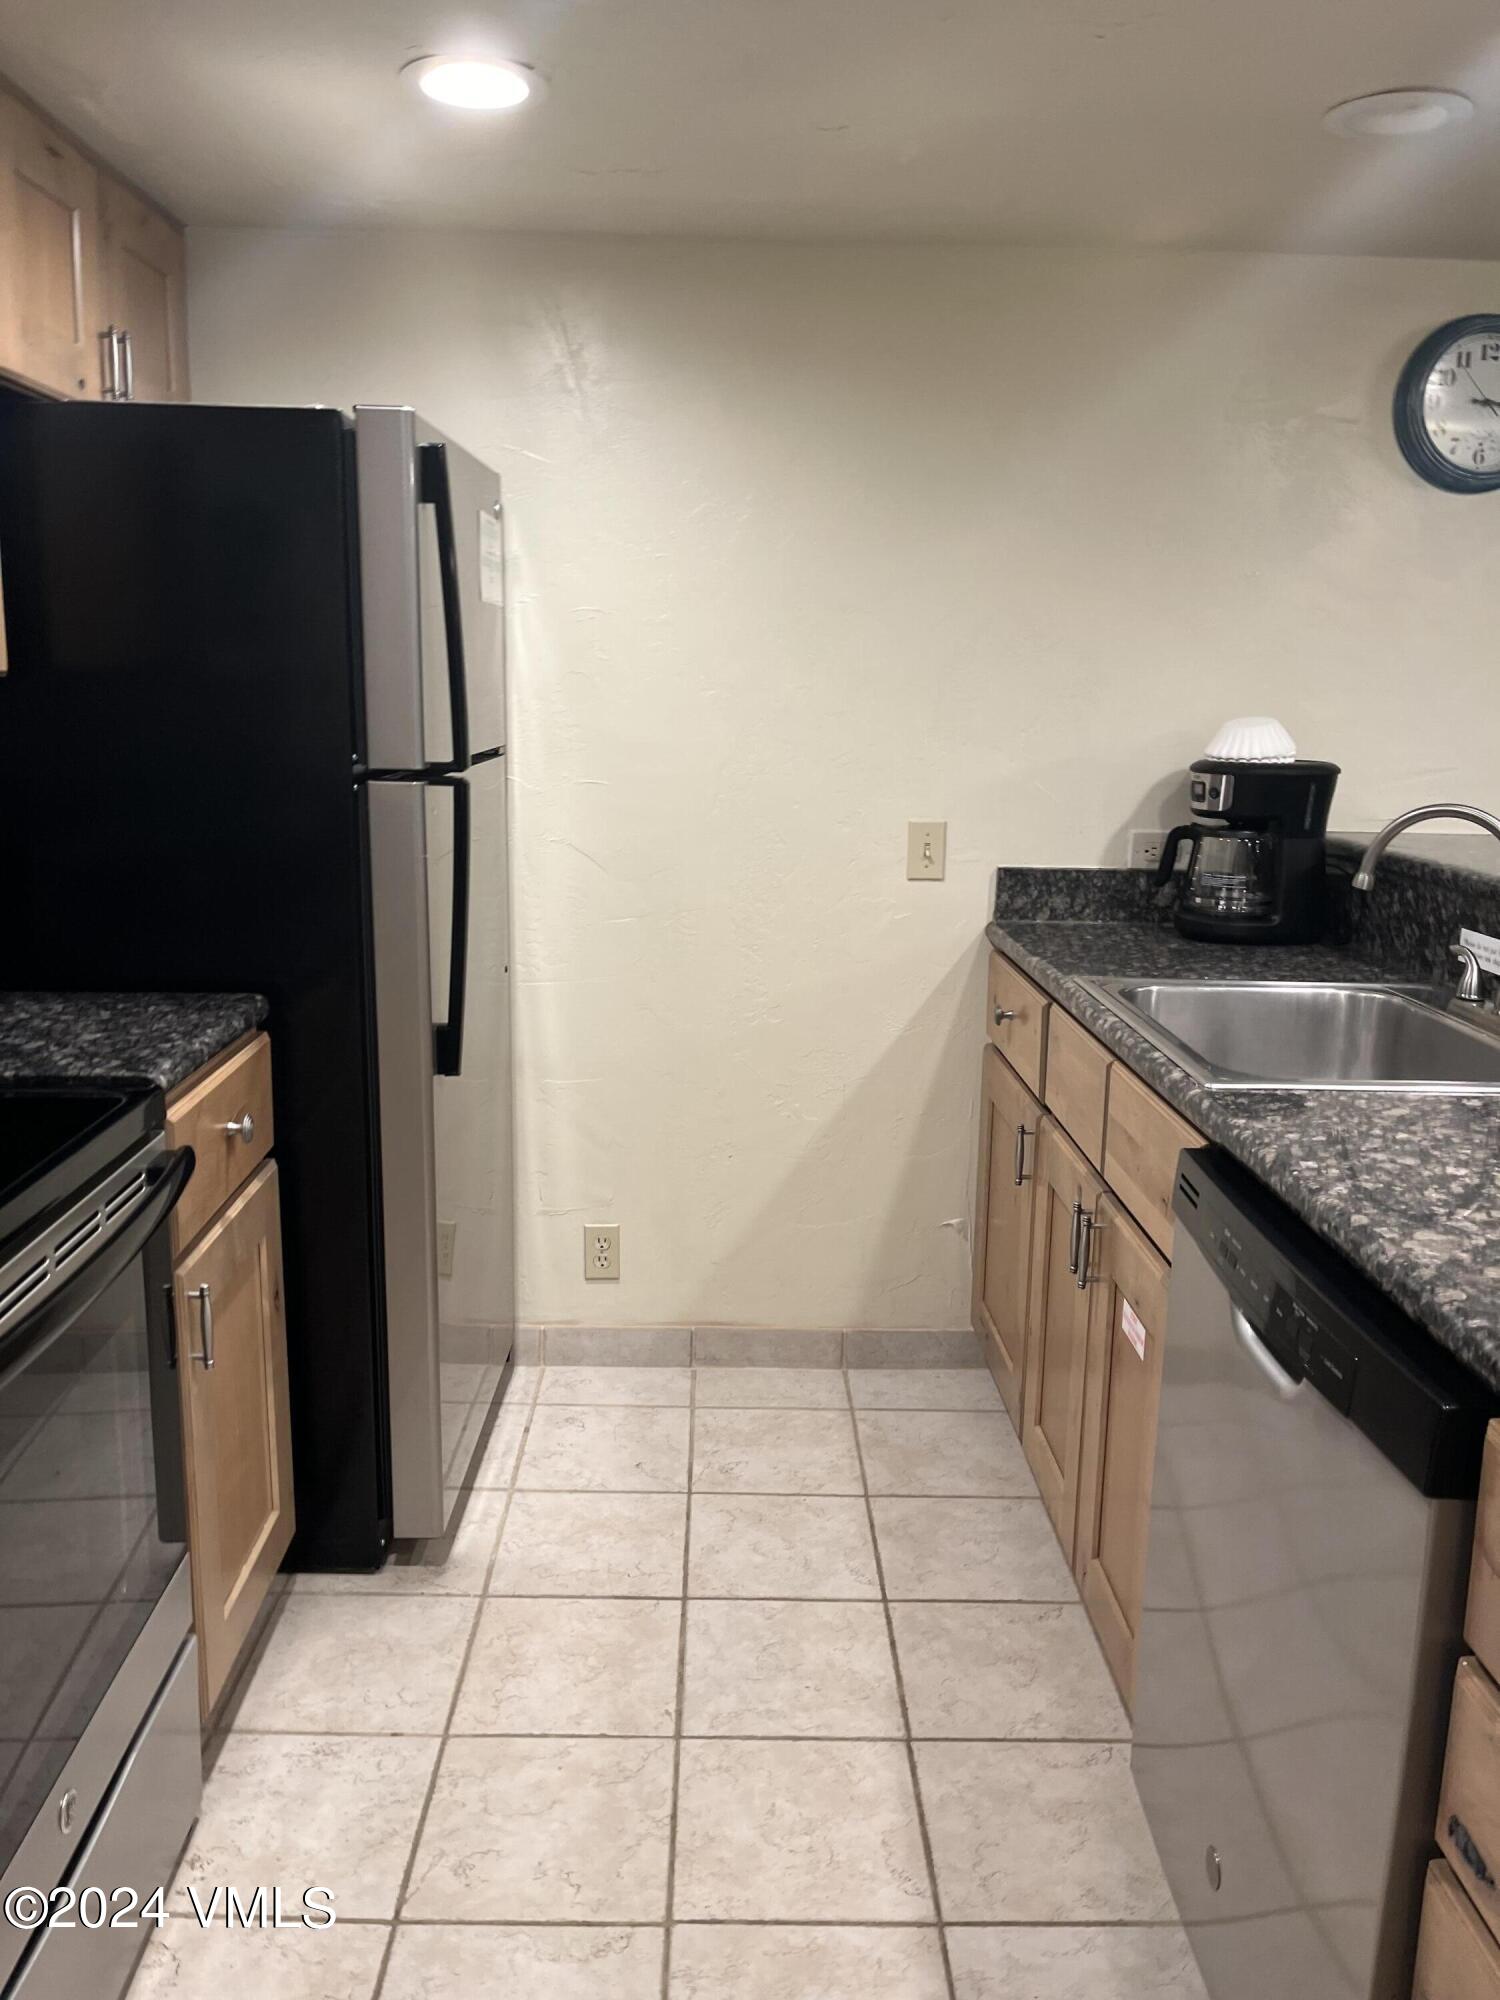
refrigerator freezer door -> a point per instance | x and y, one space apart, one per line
445 1140
472 1122
432 591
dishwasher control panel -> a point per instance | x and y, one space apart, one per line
1328 1328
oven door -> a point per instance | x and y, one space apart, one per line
94 1605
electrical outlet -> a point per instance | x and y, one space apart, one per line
601 1249
926 849
1146 844
445 1235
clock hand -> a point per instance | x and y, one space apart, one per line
1487 401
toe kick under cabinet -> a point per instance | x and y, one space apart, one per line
231 1351
1072 1243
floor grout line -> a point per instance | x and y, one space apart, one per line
682 1631
463 1668
911 1755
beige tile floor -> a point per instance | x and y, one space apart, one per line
735 1684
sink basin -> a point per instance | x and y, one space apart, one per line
1290 1035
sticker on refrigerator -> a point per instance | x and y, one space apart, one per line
491 557
1135 1327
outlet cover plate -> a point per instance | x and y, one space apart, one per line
601 1250
1146 844
926 850
446 1233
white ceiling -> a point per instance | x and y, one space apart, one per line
1181 122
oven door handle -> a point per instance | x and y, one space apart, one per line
58 1311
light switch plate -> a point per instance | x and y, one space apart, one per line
446 1233
926 850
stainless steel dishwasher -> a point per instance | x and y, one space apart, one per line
1317 1457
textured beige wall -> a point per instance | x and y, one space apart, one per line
810 541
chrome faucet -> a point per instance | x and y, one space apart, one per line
1364 876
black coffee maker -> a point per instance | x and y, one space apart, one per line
1255 873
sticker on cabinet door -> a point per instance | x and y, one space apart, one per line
491 557
1135 1327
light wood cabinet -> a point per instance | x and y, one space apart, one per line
236 1418
1143 1138
224 1114
1009 1118
1468 1824
1068 1192
49 256
93 285
145 298
1018 1021
1078 1070
1457 1959
1482 1623
1122 1387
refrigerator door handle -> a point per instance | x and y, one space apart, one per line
435 491
448 1036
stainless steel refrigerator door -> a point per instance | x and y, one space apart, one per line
1300 1612
446 1162
408 646
472 1124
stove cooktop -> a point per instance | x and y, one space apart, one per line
55 1139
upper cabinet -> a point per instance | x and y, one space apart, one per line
49 257
92 288
145 337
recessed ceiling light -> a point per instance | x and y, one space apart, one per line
1398 114
474 83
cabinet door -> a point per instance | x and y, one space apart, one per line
49 314
145 293
235 1416
1009 1117
1128 1314
1067 1192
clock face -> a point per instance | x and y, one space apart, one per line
1448 406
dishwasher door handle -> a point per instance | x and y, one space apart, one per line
1286 1386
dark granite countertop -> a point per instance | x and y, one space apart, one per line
1408 1187
155 1037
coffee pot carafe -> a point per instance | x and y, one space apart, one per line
1256 861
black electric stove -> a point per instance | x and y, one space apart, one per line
56 1138
100 1781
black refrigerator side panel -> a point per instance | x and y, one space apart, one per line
178 810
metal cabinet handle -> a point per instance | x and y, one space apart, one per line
206 1320
109 360
127 349
1089 1227
241 1128
1004 1014
1075 1231
1022 1135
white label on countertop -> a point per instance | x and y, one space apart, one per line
1135 1327
491 557
1485 949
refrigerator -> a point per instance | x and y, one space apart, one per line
253 737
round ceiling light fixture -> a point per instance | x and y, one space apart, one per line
1398 114
474 83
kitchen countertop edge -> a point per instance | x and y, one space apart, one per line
159 1038
1407 1187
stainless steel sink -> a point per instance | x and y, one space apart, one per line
1288 1035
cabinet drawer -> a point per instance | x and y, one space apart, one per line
1457 1959
1077 1083
1142 1139
1018 1021
1468 1823
1482 1625
209 1112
